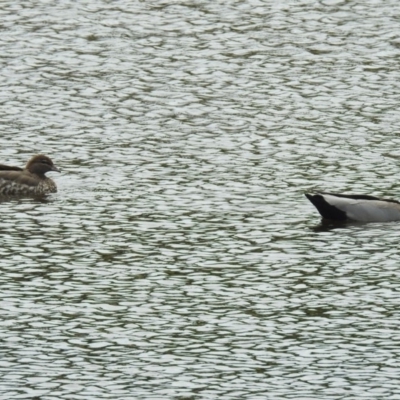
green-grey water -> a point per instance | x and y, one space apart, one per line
179 258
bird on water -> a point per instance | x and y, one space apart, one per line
363 208
28 181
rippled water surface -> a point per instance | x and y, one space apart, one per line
179 258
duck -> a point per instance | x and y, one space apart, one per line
348 207
28 181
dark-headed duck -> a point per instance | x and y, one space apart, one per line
342 207
31 180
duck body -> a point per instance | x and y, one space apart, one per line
363 208
28 181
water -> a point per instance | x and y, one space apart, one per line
180 259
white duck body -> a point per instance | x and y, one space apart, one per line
355 207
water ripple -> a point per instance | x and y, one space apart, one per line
179 258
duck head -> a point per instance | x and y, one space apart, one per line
41 164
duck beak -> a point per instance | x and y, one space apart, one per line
56 169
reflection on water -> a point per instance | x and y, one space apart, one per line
180 259
326 225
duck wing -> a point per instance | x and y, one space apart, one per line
9 168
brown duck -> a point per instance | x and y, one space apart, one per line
28 181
